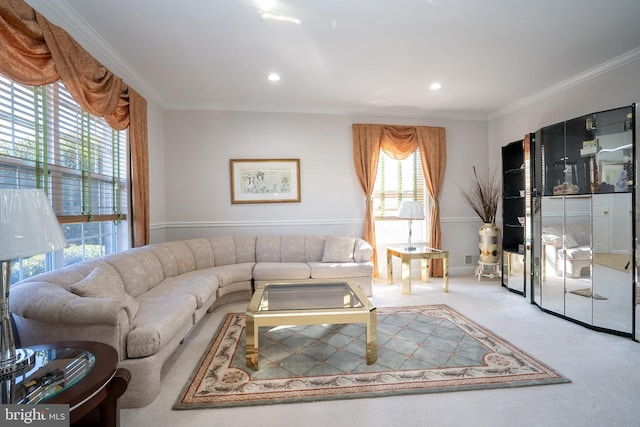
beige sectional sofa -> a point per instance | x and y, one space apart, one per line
145 301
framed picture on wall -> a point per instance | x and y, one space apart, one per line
611 172
265 180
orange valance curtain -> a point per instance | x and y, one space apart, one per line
399 142
35 52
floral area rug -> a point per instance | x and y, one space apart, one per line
421 349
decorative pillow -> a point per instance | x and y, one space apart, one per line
338 249
100 284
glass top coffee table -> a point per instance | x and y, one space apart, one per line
312 303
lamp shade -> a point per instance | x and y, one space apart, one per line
28 225
410 209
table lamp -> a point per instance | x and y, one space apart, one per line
410 209
28 226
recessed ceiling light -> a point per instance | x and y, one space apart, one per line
435 86
273 77
283 18
265 5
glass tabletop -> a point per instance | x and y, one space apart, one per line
308 296
54 370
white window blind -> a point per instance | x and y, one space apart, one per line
397 180
47 141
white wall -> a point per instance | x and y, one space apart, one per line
199 144
157 186
190 152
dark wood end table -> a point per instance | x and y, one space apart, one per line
81 374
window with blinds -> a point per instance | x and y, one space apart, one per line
397 180
47 141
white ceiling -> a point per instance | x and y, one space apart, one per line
353 56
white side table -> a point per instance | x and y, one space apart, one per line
488 269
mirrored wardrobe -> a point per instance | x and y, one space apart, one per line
583 220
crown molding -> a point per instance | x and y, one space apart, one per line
61 14
340 111
617 62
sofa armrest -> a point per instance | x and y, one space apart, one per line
363 251
87 310
47 302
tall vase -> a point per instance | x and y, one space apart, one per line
488 243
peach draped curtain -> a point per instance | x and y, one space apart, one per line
399 142
35 52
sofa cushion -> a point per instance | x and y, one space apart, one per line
245 249
158 321
201 284
576 254
139 268
176 257
202 253
578 234
268 249
102 284
224 250
330 270
229 274
363 251
292 249
314 248
281 271
338 249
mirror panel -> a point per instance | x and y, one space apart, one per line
576 260
536 251
552 231
515 270
537 187
612 249
636 259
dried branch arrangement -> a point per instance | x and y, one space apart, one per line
483 195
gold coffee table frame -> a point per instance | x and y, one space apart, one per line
424 253
306 304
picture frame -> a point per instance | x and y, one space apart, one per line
610 172
265 180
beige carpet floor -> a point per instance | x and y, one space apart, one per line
604 370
